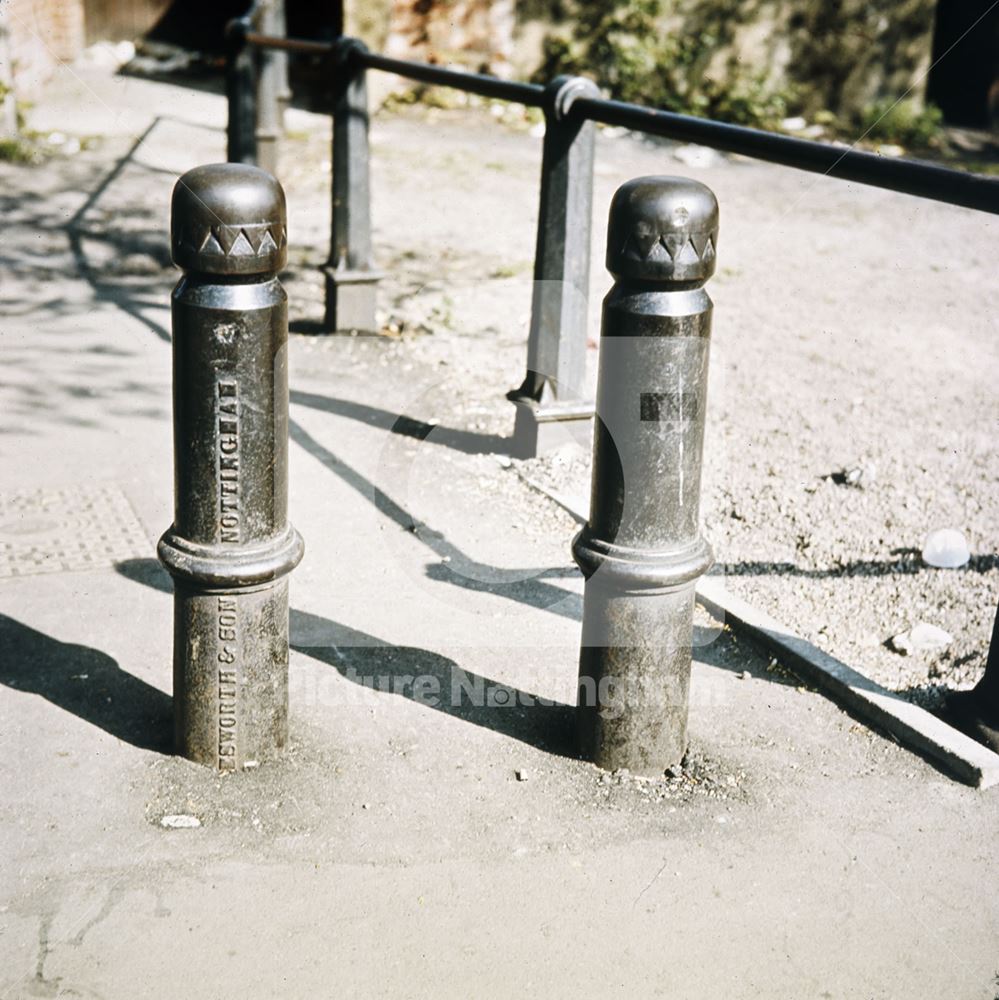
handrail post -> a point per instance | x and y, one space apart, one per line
641 551
351 279
976 712
241 93
280 28
269 118
230 547
553 391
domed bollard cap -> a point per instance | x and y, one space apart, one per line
662 229
229 219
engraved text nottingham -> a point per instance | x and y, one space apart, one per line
228 443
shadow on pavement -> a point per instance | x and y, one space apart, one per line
906 563
525 586
470 442
427 678
87 683
435 681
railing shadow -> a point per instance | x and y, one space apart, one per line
524 586
905 563
470 442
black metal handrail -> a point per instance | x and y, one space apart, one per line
915 177
529 94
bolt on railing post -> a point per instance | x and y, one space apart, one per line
269 122
230 548
351 279
241 93
641 550
553 390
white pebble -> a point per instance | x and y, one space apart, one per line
945 548
921 638
696 156
180 822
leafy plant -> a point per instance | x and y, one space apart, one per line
903 122
624 47
16 151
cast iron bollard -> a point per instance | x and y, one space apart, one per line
641 551
351 279
241 94
553 390
230 547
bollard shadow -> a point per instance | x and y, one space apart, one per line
419 675
436 682
525 586
470 442
87 683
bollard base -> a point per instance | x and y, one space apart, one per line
350 300
230 675
540 428
634 679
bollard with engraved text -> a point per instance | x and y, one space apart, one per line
230 548
641 550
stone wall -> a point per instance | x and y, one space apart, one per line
837 54
840 55
40 34
477 34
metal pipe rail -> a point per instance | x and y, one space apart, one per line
924 180
302 45
531 95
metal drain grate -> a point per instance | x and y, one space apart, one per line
62 530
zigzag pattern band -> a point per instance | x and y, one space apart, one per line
681 248
248 240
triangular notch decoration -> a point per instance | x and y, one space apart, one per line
226 236
642 242
688 254
673 243
211 245
241 246
699 241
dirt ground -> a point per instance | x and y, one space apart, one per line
407 850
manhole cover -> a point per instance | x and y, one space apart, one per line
55 531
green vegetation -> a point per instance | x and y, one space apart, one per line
903 122
624 48
17 151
